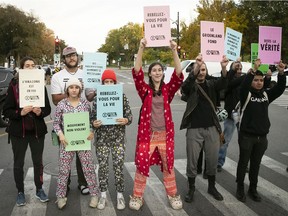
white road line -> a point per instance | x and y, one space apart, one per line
274 165
284 153
265 188
1 170
229 206
155 194
33 205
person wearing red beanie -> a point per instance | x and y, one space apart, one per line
108 74
111 138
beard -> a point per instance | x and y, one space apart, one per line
71 64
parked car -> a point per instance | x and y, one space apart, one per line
6 75
274 78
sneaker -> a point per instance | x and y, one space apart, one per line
42 196
101 203
120 203
136 203
93 201
21 201
61 202
175 202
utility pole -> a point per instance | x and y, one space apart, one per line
178 35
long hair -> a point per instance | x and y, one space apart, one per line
151 83
23 60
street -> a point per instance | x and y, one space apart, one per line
272 185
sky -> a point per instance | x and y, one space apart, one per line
85 24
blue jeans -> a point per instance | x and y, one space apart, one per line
229 128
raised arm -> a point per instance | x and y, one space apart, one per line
138 63
176 59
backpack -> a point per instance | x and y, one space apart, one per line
237 112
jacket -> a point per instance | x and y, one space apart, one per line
190 90
12 111
142 155
255 119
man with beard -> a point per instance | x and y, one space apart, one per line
58 89
202 124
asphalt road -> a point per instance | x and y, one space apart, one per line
273 184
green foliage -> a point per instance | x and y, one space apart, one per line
22 34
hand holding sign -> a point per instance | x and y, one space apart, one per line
37 111
173 45
122 121
143 43
257 64
224 62
26 110
97 123
281 67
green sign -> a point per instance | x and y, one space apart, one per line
76 130
254 55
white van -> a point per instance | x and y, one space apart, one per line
213 67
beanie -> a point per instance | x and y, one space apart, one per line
73 81
109 74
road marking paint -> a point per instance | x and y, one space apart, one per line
274 165
265 188
155 194
229 206
33 205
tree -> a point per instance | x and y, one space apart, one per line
22 34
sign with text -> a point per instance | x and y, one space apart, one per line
254 55
93 66
157 26
31 88
109 103
233 40
212 40
77 130
269 50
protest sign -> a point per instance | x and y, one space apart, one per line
212 40
157 26
31 88
269 50
76 131
233 40
254 55
93 66
109 103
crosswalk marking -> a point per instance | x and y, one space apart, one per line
229 206
274 165
33 205
155 195
266 188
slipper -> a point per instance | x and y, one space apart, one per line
84 189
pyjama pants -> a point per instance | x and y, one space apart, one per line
158 140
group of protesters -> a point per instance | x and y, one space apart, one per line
155 138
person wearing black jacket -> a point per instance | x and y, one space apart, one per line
235 78
202 124
254 127
26 126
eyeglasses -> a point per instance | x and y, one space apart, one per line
73 55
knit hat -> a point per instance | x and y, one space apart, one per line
69 50
73 81
109 74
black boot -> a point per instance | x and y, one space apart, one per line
212 189
204 172
190 194
253 194
240 194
